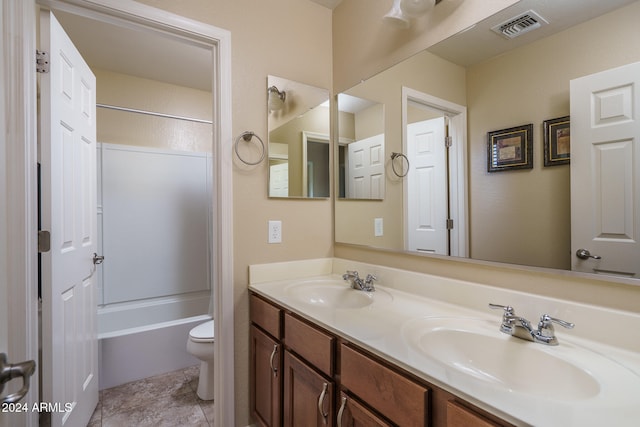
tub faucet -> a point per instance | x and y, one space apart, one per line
356 281
520 327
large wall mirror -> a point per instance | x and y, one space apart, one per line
519 216
298 153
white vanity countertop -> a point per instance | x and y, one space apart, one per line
384 326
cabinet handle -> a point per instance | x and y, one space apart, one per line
273 355
321 402
341 411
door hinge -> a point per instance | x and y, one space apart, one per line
42 61
449 224
44 241
448 141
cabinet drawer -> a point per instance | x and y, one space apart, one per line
265 315
460 416
398 398
310 343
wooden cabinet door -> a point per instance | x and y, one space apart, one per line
308 396
266 379
353 414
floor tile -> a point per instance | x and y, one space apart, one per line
164 400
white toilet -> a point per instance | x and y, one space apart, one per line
200 344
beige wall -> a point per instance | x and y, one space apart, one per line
363 45
118 127
528 211
291 39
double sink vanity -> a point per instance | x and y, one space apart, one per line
400 348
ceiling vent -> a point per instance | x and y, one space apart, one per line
520 24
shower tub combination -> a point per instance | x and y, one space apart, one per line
154 285
140 340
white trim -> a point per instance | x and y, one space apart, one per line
219 40
20 157
457 164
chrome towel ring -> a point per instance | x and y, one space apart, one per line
247 136
393 165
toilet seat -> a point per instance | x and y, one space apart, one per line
202 332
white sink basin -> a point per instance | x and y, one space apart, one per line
334 294
477 350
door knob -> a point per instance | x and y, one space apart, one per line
10 371
585 254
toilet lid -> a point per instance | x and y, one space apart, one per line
203 331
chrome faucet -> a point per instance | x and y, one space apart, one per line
520 327
356 281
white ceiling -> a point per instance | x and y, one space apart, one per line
331 4
139 52
479 42
161 57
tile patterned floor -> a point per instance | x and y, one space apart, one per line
165 400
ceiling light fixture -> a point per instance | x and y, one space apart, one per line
403 10
396 17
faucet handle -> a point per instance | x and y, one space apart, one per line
546 322
368 283
349 275
508 310
508 317
545 333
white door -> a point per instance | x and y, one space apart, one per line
4 311
366 168
605 171
427 189
68 164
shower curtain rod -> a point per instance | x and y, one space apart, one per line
152 113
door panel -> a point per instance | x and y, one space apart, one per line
306 393
605 171
68 164
427 206
266 378
366 168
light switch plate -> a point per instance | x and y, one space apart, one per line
378 229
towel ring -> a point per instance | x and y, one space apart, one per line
393 166
247 136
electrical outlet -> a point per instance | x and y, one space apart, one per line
275 231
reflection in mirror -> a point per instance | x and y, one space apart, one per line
435 207
361 148
298 122
521 216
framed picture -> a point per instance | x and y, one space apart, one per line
510 149
557 141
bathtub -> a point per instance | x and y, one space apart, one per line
140 339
